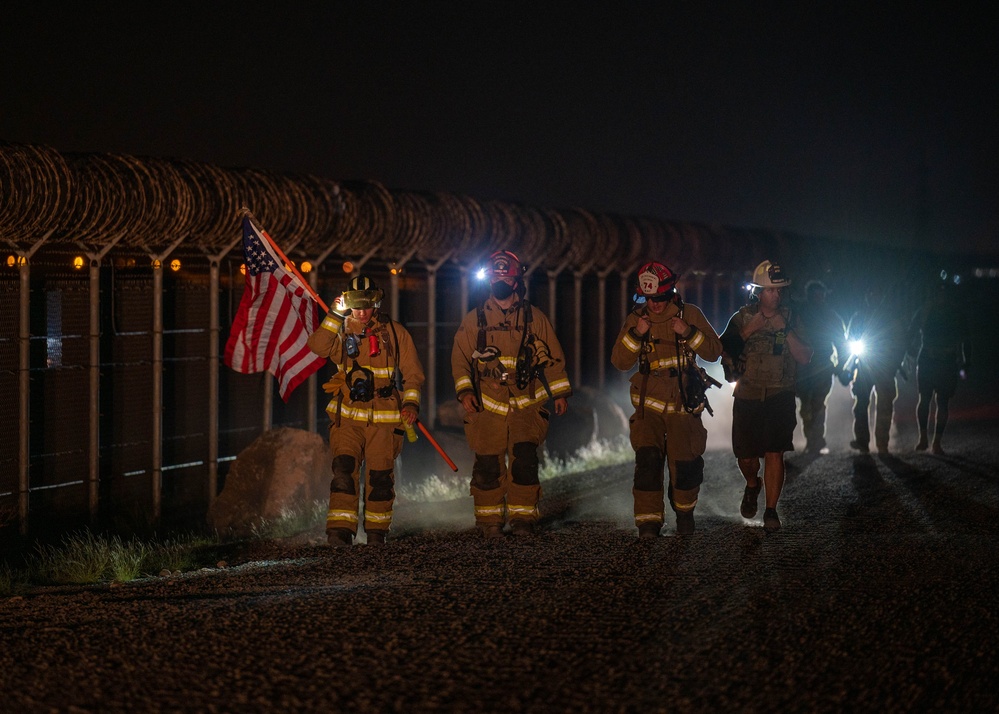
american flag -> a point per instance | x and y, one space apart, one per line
275 318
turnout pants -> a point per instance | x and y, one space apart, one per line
885 392
813 391
505 482
377 446
677 441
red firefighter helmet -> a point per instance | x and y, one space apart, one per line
655 280
504 264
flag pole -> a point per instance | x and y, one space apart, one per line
287 263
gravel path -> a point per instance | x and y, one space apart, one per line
878 595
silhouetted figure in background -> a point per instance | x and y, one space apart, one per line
944 355
878 341
824 331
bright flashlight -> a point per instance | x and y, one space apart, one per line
480 274
857 347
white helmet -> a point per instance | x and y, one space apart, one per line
770 275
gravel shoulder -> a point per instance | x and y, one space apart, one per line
878 595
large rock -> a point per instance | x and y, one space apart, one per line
283 470
592 416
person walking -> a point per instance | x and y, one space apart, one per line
761 352
375 396
944 355
825 332
879 340
507 363
663 336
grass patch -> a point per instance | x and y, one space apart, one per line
85 558
183 553
12 581
292 522
81 558
595 455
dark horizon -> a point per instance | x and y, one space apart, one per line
856 125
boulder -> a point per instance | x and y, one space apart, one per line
282 470
592 416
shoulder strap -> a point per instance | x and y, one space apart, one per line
396 372
480 313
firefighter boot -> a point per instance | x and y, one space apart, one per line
924 443
522 528
648 531
685 523
490 531
339 537
376 537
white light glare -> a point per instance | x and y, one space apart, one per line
480 274
856 347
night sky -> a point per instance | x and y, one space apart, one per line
869 124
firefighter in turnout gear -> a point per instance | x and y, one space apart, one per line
762 352
375 396
507 363
663 336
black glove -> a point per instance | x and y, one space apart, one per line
845 378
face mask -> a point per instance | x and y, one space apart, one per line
502 290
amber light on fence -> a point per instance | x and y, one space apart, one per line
306 266
78 262
348 267
242 268
175 265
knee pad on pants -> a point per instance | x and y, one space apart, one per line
381 485
486 472
689 474
524 469
648 469
343 475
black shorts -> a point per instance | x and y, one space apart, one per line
938 376
760 427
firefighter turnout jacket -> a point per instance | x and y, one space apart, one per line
658 350
365 387
510 359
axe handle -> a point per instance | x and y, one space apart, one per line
433 442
